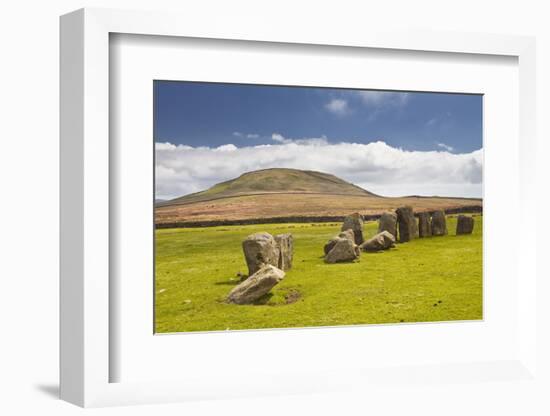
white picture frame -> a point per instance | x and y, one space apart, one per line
86 218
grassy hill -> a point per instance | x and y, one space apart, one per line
288 193
274 181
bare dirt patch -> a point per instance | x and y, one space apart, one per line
292 296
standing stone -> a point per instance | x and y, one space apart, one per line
408 229
388 222
343 250
260 249
354 222
464 225
424 226
285 244
256 285
439 223
381 241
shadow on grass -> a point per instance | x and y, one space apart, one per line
291 296
228 282
372 252
264 299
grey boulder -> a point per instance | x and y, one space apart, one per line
285 243
256 286
464 225
330 245
424 225
344 250
259 250
408 229
381 241
439 223
388 222
354 222
348 234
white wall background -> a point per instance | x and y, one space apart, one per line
29 184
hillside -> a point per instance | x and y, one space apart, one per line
287 193
270 181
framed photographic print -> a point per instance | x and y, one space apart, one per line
315 206
279 213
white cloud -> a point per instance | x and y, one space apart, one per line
338 107
165 146
313 141
376 166
247 135
375 101
225 148
276 137
384 99
446 147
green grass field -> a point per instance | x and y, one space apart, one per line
432 279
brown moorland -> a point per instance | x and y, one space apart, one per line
286 194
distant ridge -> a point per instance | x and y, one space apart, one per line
289 195
274 181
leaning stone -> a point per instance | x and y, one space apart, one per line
408 229
464 225
285 244
381 241
388 222
256 285
424 226
348 234
343 250
354 222
260 249
439 223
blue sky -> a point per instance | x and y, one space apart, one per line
210 114
391 143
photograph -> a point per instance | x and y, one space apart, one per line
288 206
